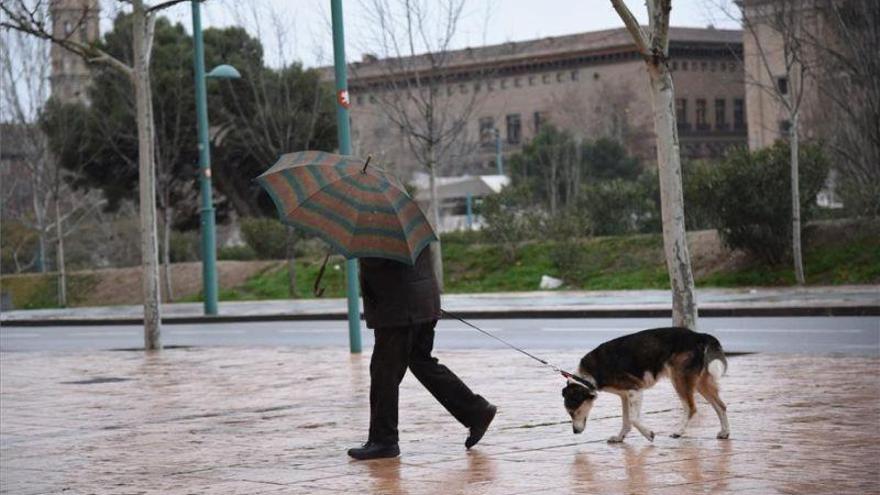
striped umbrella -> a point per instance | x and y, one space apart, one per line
358 208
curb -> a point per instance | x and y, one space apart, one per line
735 312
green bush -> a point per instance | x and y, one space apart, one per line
749 195
510 218
698 178
566 230
620 206
184 246
266 237
236 253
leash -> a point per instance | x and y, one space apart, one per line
555 368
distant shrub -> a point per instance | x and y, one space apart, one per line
184 246
510 218
620 206
749 195
698 179
266 237
236 253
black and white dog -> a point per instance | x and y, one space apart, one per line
627 365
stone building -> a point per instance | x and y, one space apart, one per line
77 20
591 84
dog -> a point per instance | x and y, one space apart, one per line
627 365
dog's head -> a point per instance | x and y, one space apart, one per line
579 398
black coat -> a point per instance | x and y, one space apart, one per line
396 294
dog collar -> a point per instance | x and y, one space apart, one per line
577 380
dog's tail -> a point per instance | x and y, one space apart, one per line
714 359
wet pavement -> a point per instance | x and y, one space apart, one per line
278 420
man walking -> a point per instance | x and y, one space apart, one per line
402 306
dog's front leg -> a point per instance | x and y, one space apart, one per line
627 425
634 397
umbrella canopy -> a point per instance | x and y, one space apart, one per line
359 210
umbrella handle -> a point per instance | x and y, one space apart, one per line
369 157
319 291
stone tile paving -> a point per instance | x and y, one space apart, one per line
278 420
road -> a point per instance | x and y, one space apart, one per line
819 335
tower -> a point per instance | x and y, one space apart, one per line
76 20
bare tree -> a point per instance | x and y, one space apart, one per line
778 66
21 16
846 70
413 83
24 66
24 63
653 46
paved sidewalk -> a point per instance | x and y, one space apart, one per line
278 420
853 300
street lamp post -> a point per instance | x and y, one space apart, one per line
209 242
343 135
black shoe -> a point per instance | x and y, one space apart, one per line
375 450
479 429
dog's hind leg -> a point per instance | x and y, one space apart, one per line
708 388
634 398
684 385
627 424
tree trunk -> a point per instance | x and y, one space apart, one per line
678 262
166 251
436 249
146 178
291 262
40 217
59 256
796 204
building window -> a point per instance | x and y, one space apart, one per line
516 82
596 76
720 113
68 28
372 99
476 87
681 111
739 114
538 121
462 88
360 100
674 65
504 84
531 80
701 121
782 85
513 128
545 78
487 131
574 75
559 76
684 65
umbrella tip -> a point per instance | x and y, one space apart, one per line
369 157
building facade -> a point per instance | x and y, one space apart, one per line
772 50
76 20
590 84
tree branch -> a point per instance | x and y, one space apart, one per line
632 25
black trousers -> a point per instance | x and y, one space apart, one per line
401 347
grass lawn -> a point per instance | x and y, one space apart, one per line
834 255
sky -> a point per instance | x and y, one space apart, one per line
308 37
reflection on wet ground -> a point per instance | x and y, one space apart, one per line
278 420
